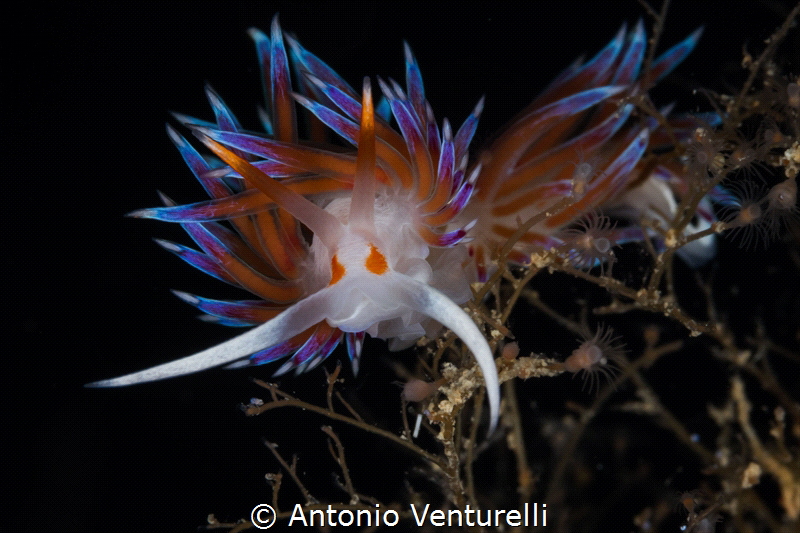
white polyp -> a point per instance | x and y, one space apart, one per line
602 245
583 171
594 353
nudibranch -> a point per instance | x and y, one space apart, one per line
334 245
578 148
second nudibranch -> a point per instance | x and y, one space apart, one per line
379 260
579 148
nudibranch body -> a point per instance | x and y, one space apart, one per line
581 146
334 245
385 240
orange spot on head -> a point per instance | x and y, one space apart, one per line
376 262
337 270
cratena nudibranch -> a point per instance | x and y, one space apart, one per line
334 245
582 147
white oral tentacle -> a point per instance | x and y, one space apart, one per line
286 325
436 305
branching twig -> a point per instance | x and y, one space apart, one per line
338 455
291 401
772 42
788 481
292 470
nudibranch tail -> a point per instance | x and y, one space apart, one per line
287 324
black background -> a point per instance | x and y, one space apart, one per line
92 87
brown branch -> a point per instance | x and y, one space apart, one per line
292 470
338 456
787 481
772 43
290 401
